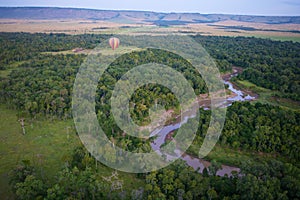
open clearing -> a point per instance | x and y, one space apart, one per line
48 144
267 96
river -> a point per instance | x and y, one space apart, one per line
196 163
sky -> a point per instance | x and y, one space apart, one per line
244 7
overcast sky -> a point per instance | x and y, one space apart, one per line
246 7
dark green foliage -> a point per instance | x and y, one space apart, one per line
20 173
258 127
144 97
176 181
268 180
43 85
31 188
70 183
76 184
26 183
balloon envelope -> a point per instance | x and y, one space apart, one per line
114 43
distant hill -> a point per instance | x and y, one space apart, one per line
136 16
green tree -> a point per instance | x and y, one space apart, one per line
31 188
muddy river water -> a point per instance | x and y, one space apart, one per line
196 163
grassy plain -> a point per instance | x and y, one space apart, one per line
275 31
233 157
267 96
47 143
9 68
122 49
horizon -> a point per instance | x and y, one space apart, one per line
228 7
131 10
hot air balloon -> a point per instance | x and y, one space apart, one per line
114 43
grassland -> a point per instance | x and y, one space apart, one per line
62 26
229 156
280 30
267 96
9 68
124 27
233 157
276 37
104 51
48 144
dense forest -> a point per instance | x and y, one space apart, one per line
274 65
39 86
258 127
270 64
